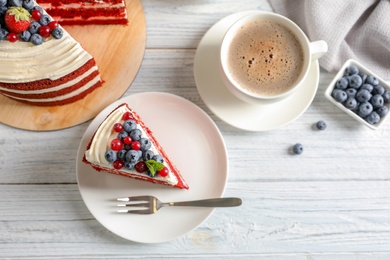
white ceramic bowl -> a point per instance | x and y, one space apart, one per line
362 69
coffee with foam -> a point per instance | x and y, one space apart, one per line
265 58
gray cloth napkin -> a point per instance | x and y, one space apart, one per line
353 29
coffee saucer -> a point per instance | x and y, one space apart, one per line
234 111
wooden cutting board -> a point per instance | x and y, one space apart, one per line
118 51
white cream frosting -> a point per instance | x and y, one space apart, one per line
101 143
24 62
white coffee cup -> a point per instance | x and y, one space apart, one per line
270 75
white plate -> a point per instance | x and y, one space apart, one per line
232 110
194 144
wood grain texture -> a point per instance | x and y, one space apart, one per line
331 202
118 51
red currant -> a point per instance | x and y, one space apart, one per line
136 145
163 172
44 31
36 15
127 140
52 25
118 164
140 167
12 37
118 127
116 145
127 116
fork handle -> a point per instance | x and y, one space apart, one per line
218 202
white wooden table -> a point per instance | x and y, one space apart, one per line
331 202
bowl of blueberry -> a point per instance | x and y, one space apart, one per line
361 94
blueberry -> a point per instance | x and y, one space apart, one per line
45 19
122 154
378 89
377 101
297 148
351 70
147 155
129 165
355 81
339 95
25 36
122 135
57 33
3 2
28 4
351 103
145 144
368 87
363 76
342 83
365 109
110 156
129 125
386 96
351 92
135 134
37 7
36 39
382 111
132 156
321 125
34 27
3 10
158 158
363 95
372 80
3 33
373 118
15 3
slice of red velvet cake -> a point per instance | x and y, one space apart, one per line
124 145
40 63
75 12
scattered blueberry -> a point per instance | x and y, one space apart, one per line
321 125
297 148
355 81
373 118
339 95
110 155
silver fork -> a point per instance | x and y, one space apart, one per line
150 204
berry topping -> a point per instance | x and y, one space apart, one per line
12 37
118 164
118 127
44 31
140 167
45 19
53 24
127 116
135 145
17 19
57 33
163 172
110 156
116 145
36 39
36 14
25 36
127 140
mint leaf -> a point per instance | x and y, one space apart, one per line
154 166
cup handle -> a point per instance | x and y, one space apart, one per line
318 49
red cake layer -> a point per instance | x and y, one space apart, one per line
86 12
181 182
47 84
